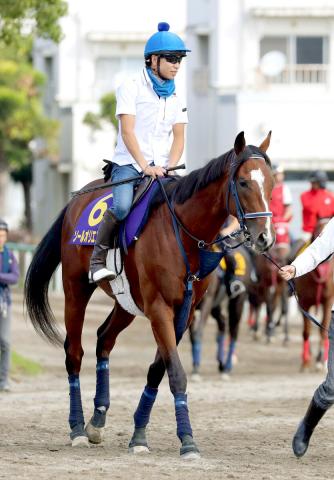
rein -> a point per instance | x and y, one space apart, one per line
291 284
120 182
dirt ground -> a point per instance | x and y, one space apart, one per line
243 427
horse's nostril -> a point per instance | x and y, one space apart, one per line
262 239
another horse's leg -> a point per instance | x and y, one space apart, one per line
217 314
117 321
197 328
162 321
322 356
285 312
138 443
235 311
77 295
306 355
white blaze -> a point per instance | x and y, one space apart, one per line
258 177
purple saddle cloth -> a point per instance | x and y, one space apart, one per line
86 228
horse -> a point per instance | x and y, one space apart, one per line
316 288
212 303
161 268
272 291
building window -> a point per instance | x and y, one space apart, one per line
306 58
111 71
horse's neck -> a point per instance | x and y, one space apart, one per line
205 212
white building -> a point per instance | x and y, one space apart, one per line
103 41
231 87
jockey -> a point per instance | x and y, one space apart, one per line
280 206
316 202
150 113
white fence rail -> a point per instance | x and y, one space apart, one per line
24 253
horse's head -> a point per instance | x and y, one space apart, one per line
251 184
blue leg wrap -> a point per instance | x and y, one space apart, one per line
228 364
102 397
182 415
142 414
220 347
196 349
76 414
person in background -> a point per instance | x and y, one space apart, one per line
281 208
318 202
9 275
323 397
152 120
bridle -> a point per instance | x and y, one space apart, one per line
250 152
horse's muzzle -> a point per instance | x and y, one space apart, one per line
264 242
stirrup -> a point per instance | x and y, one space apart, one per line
102 274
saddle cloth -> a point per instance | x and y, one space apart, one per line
88 223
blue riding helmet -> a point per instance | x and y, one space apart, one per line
164 41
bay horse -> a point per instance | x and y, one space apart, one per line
212 303
316 288
159 268
272 291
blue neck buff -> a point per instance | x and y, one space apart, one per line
163 88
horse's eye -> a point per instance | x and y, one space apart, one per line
243 183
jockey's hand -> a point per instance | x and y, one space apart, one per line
154 171
287 272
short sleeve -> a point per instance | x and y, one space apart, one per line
182 114
126 95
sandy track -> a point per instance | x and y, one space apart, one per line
243 427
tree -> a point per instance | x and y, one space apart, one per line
39 17
21 121
107 113
21 117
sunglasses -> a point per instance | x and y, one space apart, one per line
172 58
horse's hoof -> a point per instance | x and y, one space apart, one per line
190 456
139 450
95 435
80 441
226 377
271 339
195 377
320 366
256 336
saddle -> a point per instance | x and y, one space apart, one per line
139 190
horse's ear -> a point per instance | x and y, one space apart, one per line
239 143
266 142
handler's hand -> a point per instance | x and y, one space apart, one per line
287 272
154 171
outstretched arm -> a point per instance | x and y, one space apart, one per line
317 252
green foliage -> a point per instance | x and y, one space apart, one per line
39 17
24 365
107 112
92 120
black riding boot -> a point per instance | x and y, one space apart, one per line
304 432
104 241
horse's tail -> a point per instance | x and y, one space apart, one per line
44 263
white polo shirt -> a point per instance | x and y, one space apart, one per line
155 118
317 252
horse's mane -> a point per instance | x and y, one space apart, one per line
185 187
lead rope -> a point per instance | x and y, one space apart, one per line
291 284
